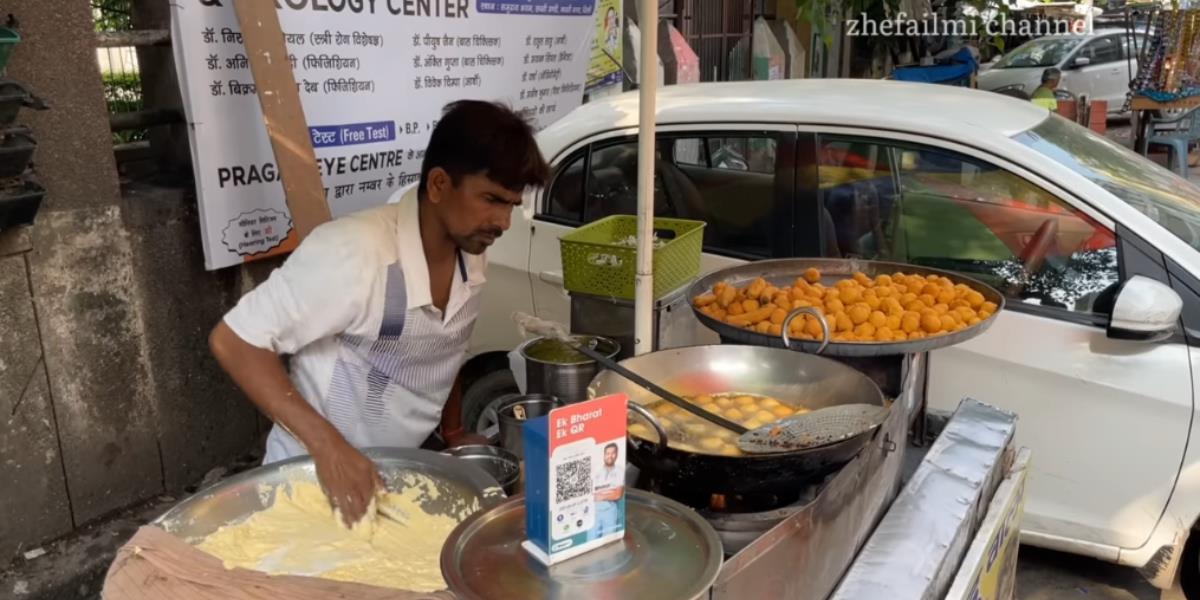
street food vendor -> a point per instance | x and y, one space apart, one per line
377 307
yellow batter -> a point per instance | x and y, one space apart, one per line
301 535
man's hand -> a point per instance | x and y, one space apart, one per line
348 478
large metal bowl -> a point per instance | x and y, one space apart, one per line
783 272
236 498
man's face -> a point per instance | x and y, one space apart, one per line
610 456
475 212
1052 84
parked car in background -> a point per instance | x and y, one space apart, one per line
1065 223
1099 65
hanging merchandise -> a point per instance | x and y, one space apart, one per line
1171 70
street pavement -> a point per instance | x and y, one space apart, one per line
1046 575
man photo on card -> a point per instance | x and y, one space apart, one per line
609 481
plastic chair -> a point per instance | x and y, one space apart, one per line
1177 139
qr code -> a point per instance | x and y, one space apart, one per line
573 479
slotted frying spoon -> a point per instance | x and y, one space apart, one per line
813 429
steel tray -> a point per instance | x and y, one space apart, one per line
785 271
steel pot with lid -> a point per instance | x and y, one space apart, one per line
555 369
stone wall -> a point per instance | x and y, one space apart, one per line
108 395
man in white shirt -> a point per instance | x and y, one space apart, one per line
376 308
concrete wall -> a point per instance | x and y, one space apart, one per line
107 393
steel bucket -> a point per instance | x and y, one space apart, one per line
566 381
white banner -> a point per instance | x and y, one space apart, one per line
373 77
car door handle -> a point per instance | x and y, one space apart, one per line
553 277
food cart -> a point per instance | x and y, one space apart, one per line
897 518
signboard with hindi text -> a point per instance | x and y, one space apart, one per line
373 77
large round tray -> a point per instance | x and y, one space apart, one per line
242 495
785 271
668 552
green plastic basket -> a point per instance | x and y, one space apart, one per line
595 262
8 39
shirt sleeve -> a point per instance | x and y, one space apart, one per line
320 291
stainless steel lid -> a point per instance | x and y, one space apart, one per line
669 553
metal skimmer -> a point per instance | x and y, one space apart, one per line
813 429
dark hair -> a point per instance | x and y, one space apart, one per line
613 446
1051 74
484 138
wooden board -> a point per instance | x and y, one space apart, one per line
283 114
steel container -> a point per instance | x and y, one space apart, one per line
530 406
566 381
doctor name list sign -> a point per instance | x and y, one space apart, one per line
373 76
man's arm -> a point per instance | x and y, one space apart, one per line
611 494
454 432
349 478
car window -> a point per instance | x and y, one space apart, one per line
1044 52
1131 47
1103 50
935 208
1170 200
735 197
691 151
742 154
565 199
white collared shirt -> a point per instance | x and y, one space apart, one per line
353 305
606 478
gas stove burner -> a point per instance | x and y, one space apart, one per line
712 503
739 503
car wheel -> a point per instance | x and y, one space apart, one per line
1189 568
481 400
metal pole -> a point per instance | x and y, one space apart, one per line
643 322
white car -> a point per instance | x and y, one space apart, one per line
1098 65
1064 222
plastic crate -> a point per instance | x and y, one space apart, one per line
8 39
595 262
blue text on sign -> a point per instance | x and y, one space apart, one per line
326 136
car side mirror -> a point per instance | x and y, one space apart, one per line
1144 310
1081 61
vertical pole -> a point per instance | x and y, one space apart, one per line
643 332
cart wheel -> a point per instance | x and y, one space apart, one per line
480 401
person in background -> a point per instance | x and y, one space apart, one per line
376 309
1044 95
